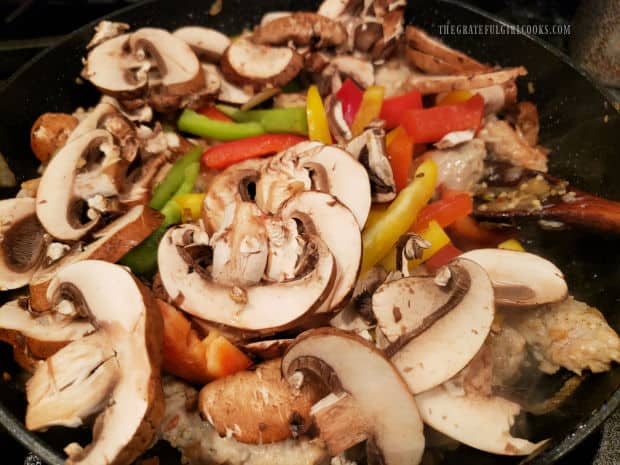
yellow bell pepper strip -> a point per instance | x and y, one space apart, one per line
275 120
456 96
381 236
399 154
200 125
173 180
369 110
434 234
511 244
191 203
375 213
318 129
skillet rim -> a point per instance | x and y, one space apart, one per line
549 454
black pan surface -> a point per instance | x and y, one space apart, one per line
578 123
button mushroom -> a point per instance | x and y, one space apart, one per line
124 356
259 66
301 28
429 358
22 242
520 279
367 388
208 44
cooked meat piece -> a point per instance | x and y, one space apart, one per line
478 375
527 122
460 167
569 334
508 350
394 76
505 144
200 443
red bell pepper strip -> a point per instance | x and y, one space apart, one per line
445 211
394 108
400 153
431 124
214 113
226 154
442 257
351 97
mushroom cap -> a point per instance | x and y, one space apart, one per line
301 28
521 279
337 227
207 43
344 361
251 308
247 63
125 314
445 348
22 242
477 421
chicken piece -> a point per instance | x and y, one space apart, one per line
394 76
509 351
200 443
527 122
505 144
569 334
460 167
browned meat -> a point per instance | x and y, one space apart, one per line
460 167
508 350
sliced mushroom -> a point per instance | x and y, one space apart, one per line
335 8
431 64
106 30
272 409
442 350
301 28
382 406
49 133
369 149
358 69
208 44
447 83
111 244
182 265
519 278
477 421
268 349
22 242
125 316
228 92
337 227
246 63
273 15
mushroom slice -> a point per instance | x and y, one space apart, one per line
358 69
246 63
381 404
369 149
447 83
446 347
520 279
186 281
111 244
72 384
125 315
56 200
208 44
22 242
272 409
477 421
336 226
268 349
301 28
232 185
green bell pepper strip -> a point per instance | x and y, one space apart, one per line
173 180
200 125
143 259
275 120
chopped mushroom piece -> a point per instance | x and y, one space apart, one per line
382 402
302 28
22 242
129 329
272 409
208 44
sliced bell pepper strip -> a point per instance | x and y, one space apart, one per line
431 124
369 110
192 203
213 113
445 211
276 120
223 357
173 180
375 213
511 244
381 236
226 154
318 128
443 256
200 125
468 234
434 234
456 96
400 154
351 97
394 108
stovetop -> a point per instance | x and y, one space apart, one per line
29 26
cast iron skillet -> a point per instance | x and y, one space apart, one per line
577 122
